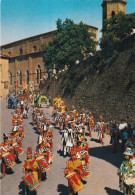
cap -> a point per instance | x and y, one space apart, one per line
29 150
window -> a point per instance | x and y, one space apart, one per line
20 78
27 77
10 78
37 76
39 73
113 14
21 50
34 48
9 54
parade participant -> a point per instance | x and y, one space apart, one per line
69 141
30 168
84 141
100 129
114 133
125 170
25 112
7 155
90 120
40 156
48 136
14 119
124 136
82 152
64 140
122 125
22 105
16 139
21 130
130 142
73 173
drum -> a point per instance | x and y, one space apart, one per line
129 181
75 182
8 159
31 182
86 172
14 144
39 158
18 150
43 165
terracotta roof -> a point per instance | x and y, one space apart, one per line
35 36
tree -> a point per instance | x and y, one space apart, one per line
72 42
117 28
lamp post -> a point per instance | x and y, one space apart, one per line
54 73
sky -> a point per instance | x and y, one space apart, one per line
25 18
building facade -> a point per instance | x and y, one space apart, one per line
26 66
25 61
113 7
4 76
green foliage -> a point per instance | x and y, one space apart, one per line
117 28
72 42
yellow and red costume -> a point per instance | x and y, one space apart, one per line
33 167
30 165
73 167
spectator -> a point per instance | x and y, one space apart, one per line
124 137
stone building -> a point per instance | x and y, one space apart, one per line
113 7
25 63
4 77
26 66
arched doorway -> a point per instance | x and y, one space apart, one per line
113 14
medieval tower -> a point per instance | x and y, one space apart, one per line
113 7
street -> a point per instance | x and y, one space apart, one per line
103 165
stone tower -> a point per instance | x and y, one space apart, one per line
113 7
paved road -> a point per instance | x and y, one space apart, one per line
103 165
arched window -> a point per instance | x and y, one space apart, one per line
113 14
37 76
9 54
20 77
34 48
10 78
21 50
39 73
27 77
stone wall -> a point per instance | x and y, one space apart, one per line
109 90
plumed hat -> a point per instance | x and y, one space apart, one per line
128 152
